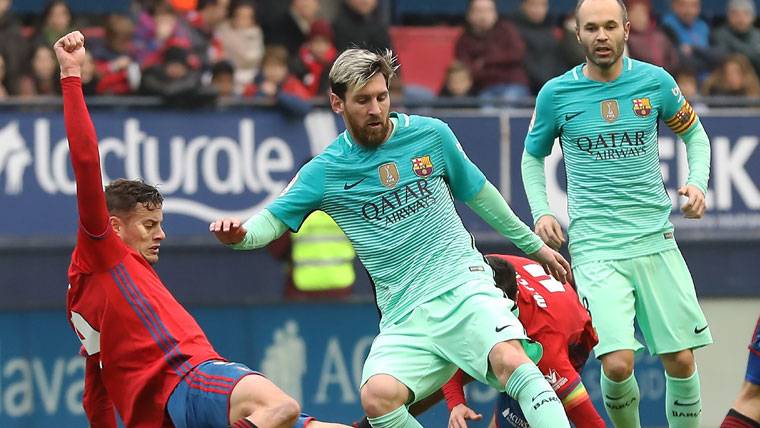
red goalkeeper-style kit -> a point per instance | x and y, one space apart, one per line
138 339
553 316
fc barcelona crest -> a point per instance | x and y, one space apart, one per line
642 107
422 166
610 110
388 174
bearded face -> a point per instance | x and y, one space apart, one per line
366 112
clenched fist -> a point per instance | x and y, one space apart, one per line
69 50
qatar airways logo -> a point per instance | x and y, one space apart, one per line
185 167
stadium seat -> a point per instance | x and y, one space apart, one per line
424 53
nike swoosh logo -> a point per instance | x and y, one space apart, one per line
570 116
498 329
676 403
540 394
347 186
699 330
613 398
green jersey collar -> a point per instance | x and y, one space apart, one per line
397 119
578 71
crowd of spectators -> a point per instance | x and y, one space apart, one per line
192 52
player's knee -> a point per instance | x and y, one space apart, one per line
617 367
679 364
506 357
286 411
382 394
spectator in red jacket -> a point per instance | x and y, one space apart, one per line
494 53
646 41
315 58
277 85
119 72
159 28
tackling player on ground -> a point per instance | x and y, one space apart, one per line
553 317
389 181
626 263
147 358
746 410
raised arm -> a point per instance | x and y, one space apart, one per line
83 143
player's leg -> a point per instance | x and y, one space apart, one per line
607 293
382 394
746 410
523 381
222 394
401 368
475 320
257 402
566 381
672 324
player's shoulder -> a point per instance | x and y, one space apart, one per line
414 121
424 129
646 72
566 81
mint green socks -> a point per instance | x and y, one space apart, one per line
621 400
682 401
537 399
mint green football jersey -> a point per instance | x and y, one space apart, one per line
395 204
617 202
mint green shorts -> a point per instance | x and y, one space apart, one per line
656 290
456 329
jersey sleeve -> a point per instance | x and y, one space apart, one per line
674 109
543 129
97 248
97 404
453 390
302 196
464 178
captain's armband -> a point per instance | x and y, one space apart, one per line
683 120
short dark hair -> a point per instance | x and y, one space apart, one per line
504 275
122 196
222 67
619 2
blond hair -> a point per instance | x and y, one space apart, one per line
354 67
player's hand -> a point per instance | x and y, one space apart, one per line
554 264
69 50
460 414
228 230
549 230
695 206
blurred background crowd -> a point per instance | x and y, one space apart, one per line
195 52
